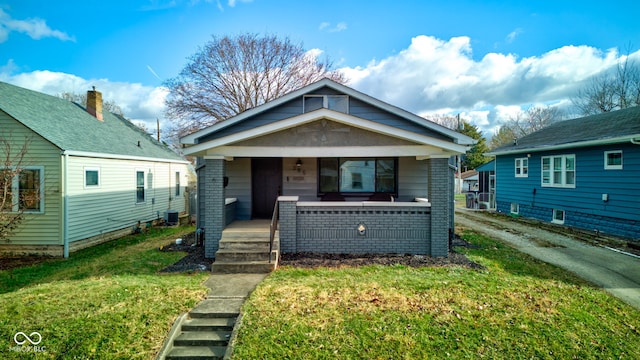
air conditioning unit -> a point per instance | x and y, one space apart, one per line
171 217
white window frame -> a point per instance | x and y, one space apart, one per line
608 166
144 185
554 216
15 191
178 190
515 208
563 171
97 169
520 165
326 104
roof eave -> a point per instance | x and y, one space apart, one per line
598 142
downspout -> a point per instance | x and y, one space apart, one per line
65 216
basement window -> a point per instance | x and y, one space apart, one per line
558 216
515 208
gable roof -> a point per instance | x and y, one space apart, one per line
601 129
456 137
70 128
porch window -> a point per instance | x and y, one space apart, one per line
357 175
22 189
332 102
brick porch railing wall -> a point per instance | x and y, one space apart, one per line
398 228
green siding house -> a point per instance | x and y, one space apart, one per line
96 175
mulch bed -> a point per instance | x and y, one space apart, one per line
193 261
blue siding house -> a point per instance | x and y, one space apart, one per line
582 173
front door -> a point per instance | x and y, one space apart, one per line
266 184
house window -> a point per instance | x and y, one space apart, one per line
613 160
522 167
91 177
357 175
515 208
177 184
332 102
22 189
559 171
139 186
558 216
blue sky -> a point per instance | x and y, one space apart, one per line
486 60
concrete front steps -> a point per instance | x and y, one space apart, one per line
206 331
245 251
202 338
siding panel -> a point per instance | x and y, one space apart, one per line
42 228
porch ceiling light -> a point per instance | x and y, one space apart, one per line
299 165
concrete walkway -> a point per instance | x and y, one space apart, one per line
617 273
205 332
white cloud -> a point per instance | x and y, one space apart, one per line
233 3
139 103
513 35
433 74
326 26
35 28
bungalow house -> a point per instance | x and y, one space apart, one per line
583 173
94 175
348 172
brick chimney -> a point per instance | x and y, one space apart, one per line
94 103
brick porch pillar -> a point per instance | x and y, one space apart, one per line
439 197
214 217
288 223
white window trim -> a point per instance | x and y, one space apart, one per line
178 185
613 167
517 209
15 185
521 167
144 185
563 184
556 221
84 177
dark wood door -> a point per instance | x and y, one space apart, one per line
266 184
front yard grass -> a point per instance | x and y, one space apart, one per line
105 302
518 308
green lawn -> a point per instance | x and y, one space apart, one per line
518 308
105 302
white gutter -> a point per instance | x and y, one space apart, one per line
616 140
120 157
635 142
65 201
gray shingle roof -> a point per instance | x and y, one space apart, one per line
68 126
600 127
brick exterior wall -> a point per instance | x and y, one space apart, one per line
439 197
214 198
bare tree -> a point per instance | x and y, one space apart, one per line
504 136
81 99
12 198
448 121
229 75
524 123
615 89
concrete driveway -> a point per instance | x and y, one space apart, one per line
617 273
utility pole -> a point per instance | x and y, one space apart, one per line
158 127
